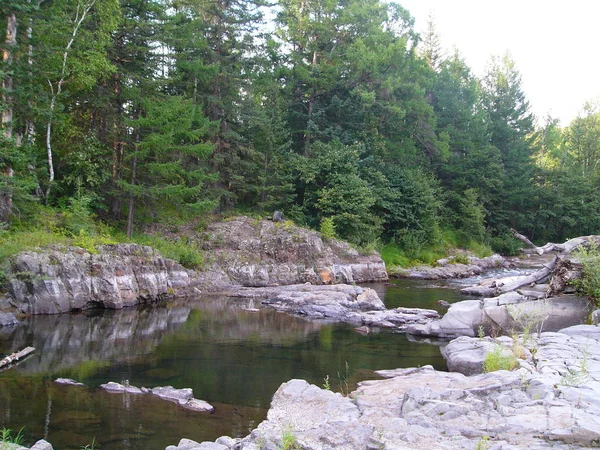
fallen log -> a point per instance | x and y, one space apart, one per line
564 248
8 360
534 278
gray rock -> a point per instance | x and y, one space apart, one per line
590 331
113 387
596 317
8 320
53 281
42 445
68 381
194 404
264 253
475 267
170 393
339 303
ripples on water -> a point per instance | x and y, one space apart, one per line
230 357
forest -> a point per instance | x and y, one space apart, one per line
120 114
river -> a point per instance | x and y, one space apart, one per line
230 357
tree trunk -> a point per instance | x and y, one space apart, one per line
7 114
131 200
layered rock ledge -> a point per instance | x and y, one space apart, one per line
239 252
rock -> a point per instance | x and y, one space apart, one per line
113 387
54 281
170 393
188 444
506 314
194 404
596 317
68 381
42 445
266 253
336 303
466 355
476 267
243 252
591 331
8 320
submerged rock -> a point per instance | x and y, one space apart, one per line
8 320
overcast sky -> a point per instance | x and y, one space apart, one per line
555 44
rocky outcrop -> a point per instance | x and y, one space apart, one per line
337 303
57 281
239 252
265 253
551 402
448 268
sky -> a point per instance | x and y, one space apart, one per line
554 44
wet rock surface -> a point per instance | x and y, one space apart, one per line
183 397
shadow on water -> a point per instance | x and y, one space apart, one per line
234 359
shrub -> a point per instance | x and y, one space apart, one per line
498 359
590 280
328 228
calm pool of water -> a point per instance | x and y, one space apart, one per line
232 358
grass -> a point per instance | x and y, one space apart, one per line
6 437
289 441
497 359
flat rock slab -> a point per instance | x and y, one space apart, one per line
69 382
335 303
183 397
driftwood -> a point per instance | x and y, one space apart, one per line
495 289
565 248
16 357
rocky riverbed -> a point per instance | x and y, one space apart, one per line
550 402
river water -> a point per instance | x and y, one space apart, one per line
232 358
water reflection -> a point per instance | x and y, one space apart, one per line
231 357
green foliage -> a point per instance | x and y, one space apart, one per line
186 253
506 244
497 359
328 228
589 256
6 437
288 440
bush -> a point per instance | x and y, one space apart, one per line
505 244
497 359
590 280
328 228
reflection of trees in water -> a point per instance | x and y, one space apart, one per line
88 339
